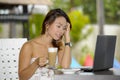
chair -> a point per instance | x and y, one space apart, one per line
9 52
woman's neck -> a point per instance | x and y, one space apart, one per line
46 39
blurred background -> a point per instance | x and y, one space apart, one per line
23 19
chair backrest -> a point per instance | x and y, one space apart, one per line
9 54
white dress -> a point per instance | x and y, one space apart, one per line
42 73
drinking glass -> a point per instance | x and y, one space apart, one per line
52 54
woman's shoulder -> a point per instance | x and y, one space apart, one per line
27 44
32 42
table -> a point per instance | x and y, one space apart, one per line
112 74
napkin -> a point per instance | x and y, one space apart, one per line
46 74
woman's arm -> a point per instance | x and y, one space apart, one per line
64 54
26 70
65 57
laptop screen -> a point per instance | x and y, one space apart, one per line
104 52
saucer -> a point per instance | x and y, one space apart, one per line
69 71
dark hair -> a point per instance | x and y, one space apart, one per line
50 18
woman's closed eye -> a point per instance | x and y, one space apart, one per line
58 26
64 28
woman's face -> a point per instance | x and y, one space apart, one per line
57 29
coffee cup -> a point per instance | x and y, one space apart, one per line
52 54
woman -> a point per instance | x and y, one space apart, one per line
56 25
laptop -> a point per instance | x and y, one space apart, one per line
104 54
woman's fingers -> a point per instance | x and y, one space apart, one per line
42 61
68 26
67 33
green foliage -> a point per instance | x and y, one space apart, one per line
89 8
85 51
35 25
78 20
111 10
63 4
0 29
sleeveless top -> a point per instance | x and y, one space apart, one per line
42 73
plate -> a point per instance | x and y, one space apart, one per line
69 71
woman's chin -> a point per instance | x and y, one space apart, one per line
56 39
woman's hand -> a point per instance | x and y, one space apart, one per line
42 61
67 33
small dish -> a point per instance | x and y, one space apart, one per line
69 71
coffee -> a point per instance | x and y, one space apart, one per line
52 53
